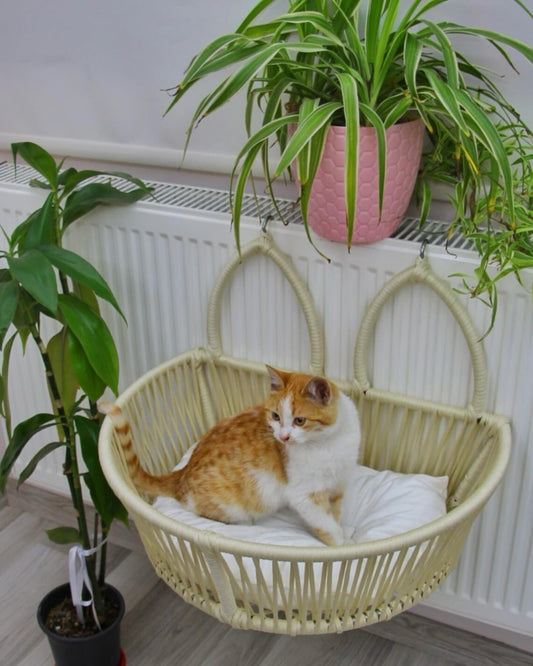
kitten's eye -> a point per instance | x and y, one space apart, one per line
275 416
299 421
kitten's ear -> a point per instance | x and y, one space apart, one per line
318 390
277 381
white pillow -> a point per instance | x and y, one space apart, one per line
375 505
383 504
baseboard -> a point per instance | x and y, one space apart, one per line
475 626
458 639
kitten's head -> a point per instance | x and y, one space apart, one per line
299 407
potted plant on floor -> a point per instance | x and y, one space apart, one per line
45 287
357 74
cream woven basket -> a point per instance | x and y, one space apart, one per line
309 590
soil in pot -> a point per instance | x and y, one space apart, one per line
76 645
63 620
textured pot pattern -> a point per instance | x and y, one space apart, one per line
327 210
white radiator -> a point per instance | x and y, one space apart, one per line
161 259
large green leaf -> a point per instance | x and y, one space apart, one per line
26 316
38 158
82 201
61 361
5 409
21 436
9 296
105 501
64 535
94 337
80 270
41 226
71 178
35 273
32 465
86 376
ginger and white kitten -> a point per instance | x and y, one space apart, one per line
297 450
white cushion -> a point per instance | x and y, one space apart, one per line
376 505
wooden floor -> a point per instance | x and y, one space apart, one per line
159 629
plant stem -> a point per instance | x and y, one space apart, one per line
71 468
103 554
95 415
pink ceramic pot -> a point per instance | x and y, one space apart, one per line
327 210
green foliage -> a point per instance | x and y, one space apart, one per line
106 502
43 281
18 440
376 63
64 535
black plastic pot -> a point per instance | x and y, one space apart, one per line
101 649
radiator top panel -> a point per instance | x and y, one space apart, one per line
259 206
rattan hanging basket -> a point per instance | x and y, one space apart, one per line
314 590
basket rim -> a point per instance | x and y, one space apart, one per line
212 541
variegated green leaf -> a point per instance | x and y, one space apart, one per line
304 132
350 102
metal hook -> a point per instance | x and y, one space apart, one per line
423 246
265 222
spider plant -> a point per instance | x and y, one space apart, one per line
503 237
354 63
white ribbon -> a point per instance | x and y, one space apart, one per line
78 577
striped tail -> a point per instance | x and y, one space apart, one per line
154 485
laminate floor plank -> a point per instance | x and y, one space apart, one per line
30 566
39 655
402 655
164 630
352 648
449 643
160 629
7 514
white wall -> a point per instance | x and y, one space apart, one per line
87 78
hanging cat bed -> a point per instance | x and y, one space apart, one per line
305 589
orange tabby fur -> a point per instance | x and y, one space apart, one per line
246 465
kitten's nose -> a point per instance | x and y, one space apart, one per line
284 435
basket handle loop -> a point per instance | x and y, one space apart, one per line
264 244
421 272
